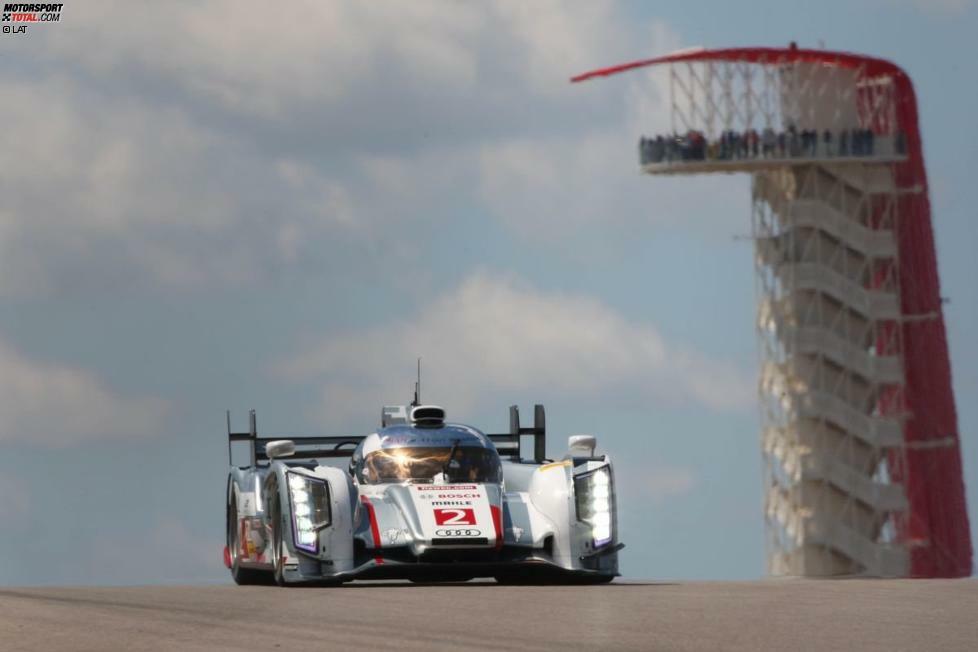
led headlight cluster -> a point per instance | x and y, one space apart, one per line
310 510
595 502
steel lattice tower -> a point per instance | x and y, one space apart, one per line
859 432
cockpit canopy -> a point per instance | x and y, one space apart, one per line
406 454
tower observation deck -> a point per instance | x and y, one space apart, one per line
859 435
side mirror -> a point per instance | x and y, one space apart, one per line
582 444
280 448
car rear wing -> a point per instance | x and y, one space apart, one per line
305 447
509 444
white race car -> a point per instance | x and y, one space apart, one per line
423 500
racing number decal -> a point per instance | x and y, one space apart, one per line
454 516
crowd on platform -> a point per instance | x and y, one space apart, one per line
752 144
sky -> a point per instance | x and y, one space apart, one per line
210 205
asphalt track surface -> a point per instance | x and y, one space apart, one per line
765 615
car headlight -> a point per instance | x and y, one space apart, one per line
595 501
310 510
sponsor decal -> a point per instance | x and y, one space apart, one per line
17 16
459 516
517 533
251 541
243 540
392 536
448 497
247 505
555 465
445 532
451 503
442 493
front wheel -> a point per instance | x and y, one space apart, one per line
278 546
241 576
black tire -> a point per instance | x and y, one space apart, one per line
241 576
278 561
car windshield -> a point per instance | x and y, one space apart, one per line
422 464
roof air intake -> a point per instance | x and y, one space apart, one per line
428 416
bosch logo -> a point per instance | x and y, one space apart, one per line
458 533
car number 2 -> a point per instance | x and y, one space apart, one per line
454 517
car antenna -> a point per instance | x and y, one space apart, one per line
417 387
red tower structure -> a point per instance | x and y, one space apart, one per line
924 529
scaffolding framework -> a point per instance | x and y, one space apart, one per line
859 435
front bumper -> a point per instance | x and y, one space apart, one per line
443 565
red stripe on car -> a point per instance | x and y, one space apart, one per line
497 524
374 529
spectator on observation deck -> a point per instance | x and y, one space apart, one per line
671 147
770 141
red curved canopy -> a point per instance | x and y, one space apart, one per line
936 528
872 65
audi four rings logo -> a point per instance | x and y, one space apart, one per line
458 533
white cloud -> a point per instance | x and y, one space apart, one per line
209 144
50 405
249 60
492 335
254 59
544 186
549 187
101 195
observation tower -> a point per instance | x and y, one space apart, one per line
859 436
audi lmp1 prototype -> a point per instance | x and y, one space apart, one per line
422 500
